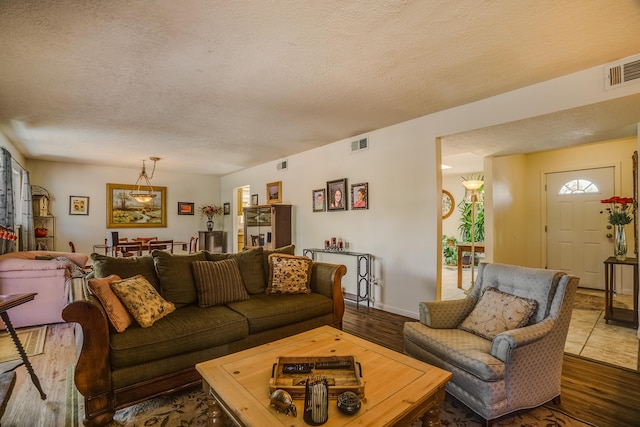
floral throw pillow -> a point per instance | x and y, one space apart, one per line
498 312
142 300
289 274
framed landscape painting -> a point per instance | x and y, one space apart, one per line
123 211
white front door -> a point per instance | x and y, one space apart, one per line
577 241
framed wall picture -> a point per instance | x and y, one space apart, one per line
337 194
78 205
185 208
319 200
226 208
274 192
254 200
360 196
123 211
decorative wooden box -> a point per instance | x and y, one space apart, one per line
285 375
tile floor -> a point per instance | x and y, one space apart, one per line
589 335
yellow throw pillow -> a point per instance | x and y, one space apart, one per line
116 312
289 274
142 300
498 312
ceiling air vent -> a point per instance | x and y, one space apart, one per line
360 144
622 73
281 166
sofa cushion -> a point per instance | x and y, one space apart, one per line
77 258
289 274
268 312
176 277
467 351
104 266
287 250
142 301
187 330
498 312
116 312
218 282
250 265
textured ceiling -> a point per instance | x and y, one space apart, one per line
214 86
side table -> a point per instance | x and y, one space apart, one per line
619 314
10 301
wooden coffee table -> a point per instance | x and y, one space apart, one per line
398 389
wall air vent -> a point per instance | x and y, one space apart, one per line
622 73
281 166
360 144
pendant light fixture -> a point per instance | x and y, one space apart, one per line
143 191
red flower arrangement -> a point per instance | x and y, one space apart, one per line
210 211
620 210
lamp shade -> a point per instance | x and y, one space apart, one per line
472 184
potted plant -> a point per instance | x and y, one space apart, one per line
449 250
467 221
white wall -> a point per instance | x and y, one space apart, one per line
402 227
70 179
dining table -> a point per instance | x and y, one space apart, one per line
145 246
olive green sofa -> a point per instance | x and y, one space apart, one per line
118 369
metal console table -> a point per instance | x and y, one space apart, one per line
363 271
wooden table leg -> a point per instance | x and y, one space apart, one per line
431 418
215 415
23 354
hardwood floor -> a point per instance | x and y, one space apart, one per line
598 393
601 394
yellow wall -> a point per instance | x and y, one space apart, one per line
519 199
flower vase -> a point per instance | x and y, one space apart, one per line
210 225
620 243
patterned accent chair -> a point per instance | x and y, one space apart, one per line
516 369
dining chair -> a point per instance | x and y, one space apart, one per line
163 245
128 249
72 246
193 245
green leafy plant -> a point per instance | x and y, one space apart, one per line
449 250
466 211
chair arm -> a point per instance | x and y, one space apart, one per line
326 279
504 343
93 369
445 314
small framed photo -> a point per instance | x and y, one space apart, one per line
254 200
319 202
274 192
227 208
337 194
185 208
78 205
360 196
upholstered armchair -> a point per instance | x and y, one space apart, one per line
504 342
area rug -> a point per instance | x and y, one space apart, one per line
189 408
588 302
32 340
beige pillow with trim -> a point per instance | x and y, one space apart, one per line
289 274
498 312
143 302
